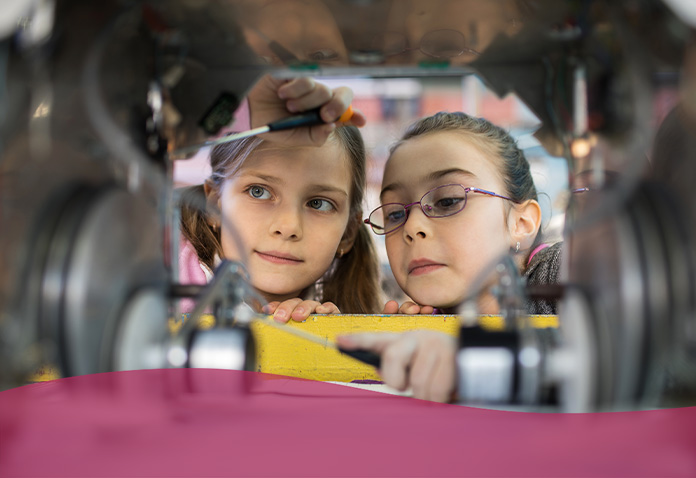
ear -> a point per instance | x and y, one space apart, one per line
349 236
524 221
212 202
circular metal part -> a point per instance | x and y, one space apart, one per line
629 328
605 264
574 366
530 362
142 333
104 246
651 235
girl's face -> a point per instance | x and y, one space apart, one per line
291 208
435 260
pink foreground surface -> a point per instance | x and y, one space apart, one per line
221 423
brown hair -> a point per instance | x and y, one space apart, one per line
514 166
352 282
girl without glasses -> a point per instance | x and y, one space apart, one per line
468 197
296 207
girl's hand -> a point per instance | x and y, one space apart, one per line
272 99
298 309
421 359
408 307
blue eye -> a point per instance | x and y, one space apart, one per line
257 192
321 205
395 217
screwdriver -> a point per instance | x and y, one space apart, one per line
308 118
365 356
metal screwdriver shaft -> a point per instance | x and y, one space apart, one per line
225 139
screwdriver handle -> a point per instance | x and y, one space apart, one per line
308 118
365 356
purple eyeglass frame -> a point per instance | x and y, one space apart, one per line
407 207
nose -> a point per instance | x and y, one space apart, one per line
416 225
286 223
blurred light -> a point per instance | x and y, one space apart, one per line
580 148
42 111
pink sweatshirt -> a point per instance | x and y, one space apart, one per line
191 270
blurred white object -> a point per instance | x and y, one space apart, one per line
34 18
684 9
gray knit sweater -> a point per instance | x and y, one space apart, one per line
542 270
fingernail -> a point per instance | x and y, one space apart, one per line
280 314
266 308
299 310
330 115
292 107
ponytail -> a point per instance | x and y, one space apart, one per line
195 225
353 284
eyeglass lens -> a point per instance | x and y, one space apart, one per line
439 202
443 43
436 43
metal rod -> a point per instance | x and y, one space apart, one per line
225 139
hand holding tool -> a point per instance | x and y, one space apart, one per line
308 118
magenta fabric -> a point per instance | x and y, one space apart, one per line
538 248
222 423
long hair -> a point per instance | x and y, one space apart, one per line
352 281
513 165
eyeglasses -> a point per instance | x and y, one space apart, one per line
442 201
441 44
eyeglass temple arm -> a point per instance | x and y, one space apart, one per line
372 225
490 193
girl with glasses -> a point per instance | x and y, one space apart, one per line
296 207
457 194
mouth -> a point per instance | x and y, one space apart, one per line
423 266
279 257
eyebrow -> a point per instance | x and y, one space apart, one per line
435 175
263 177
314 188
325 188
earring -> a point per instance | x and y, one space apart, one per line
340 253
517 247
